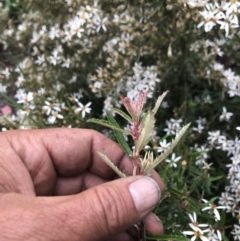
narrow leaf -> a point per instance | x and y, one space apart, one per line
193 205
215 178
194 184
111 164
146 132
168 237
175 192
11 101
123 114
168 150
107 124
158 102
119 135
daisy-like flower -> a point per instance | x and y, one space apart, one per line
193 218
83 108
236 232
54 115
48 107
214 235
25 98
173 161
229 21
100 23
225 115
163 145
197 233
206 165
6 72
213 209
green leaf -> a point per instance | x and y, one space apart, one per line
193 205
193 186
107 124
11 101
168 237
215 178
119 135
123 114
175 192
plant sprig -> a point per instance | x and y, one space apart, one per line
141 130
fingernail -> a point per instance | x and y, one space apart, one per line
145 193
158 219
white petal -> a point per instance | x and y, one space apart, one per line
188 232
203 238
217 215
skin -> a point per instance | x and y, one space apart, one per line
53 186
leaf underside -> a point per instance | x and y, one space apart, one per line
111 164
146 132
159 101
168 150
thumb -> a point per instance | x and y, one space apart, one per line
106 210
96 214
111 208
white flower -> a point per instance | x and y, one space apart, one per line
54 32
6 72
163 145
193 218
100 23
232 6
214 235
197 233
236 232
66 63
83 108
3 88
76 27
238 128
48 107
213 209
24 98
207 165
54 116
54 58
40 59
230 21
199 128
208 22
173 161
225 115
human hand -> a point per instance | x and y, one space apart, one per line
54 186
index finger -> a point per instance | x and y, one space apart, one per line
70 151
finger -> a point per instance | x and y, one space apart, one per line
122 237
74 185
57 152
77 184
96 214
153 224
71 151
